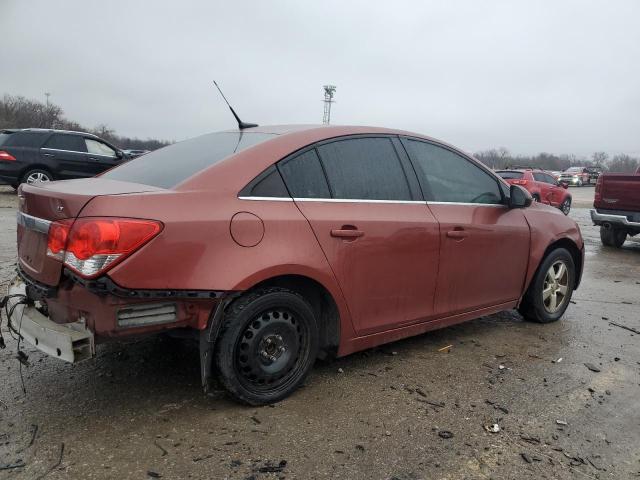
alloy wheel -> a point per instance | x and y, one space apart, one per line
556 287
37 177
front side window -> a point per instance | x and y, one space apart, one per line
364 169
71 143
449 177
304 176
549 179
99 148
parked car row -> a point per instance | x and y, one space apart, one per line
542 186
579 176
279 245
41 155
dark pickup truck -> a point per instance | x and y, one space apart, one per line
617 207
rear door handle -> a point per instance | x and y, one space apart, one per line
48 154
457 234
347 231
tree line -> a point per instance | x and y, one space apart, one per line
502 158
21 112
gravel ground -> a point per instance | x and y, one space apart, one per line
404 411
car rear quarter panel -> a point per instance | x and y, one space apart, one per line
196 250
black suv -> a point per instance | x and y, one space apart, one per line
38 155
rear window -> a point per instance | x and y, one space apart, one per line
168 166
3 137
22 139
510 175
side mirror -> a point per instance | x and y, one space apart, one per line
564 184
519 197
119 154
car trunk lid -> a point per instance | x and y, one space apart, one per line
42 204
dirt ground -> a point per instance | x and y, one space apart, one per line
405 411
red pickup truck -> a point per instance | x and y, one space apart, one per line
617 207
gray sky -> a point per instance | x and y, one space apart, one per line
561 77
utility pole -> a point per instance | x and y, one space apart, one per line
46 94
329 90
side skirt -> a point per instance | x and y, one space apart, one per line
369 341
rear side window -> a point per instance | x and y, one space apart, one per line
539 177
72 143
451 177
268 184
365 169
510 175
23 139
169 166
304 176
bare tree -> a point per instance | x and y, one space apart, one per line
623 164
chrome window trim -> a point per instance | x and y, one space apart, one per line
60 150
467 204
76 151
265 199
351 200
354 200
33 223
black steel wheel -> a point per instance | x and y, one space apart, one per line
267 346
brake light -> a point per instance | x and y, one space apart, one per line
597 197
92 245
7 156
519 182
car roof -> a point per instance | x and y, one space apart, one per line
52 130
331 131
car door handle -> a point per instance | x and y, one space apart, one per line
48 154
347 231
457 234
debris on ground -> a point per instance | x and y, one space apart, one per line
270 468
445 349
152 474
526 457
619 325
495 428
445 434
592 367
11 466
562 422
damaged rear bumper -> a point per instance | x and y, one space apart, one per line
71 342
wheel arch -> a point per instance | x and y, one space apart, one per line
322 302
575 252
35 166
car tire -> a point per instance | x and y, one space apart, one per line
565 206
550 291
267 345
612 237
580 183
36 175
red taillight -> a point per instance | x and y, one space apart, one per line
7 156
519 182
597 197
57 241
93 245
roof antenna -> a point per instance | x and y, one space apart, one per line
241 124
